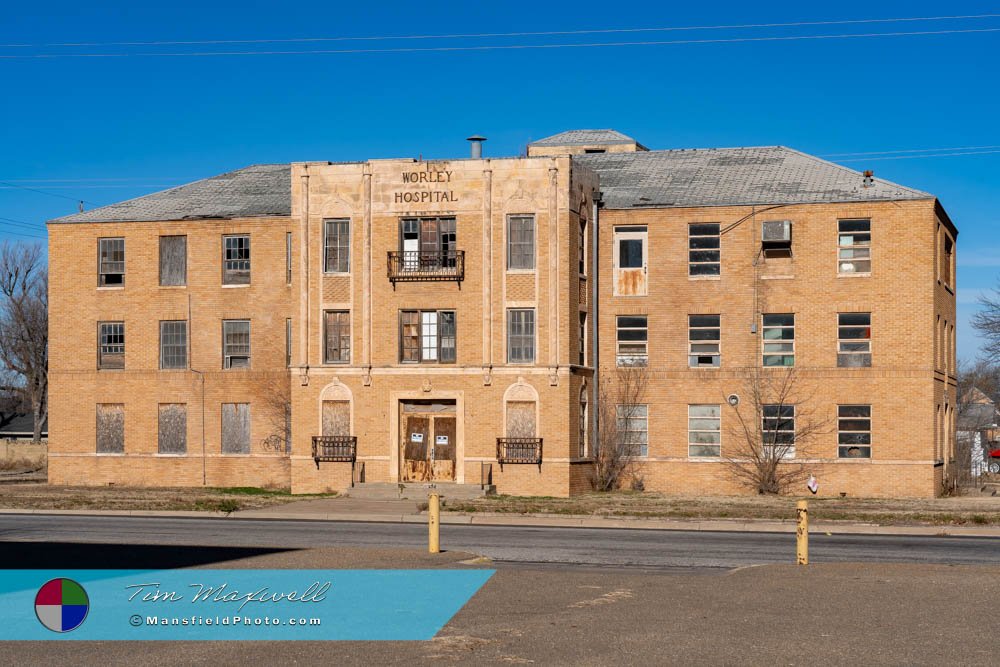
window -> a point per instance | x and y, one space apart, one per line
778 431
236 260
704 253
703 340
337 324
854 246
854 340
337 246
630 261
521 336
427 243
633 337
288 258
236 343
173 260
172 428
427 336
704 430
779 340
235 428
111 345
521 419
854 431
288 341
110 262
584 424
582 247
583 339
633 429
521 242
949 250
173 344
110 428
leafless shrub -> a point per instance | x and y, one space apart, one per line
774 425
622 432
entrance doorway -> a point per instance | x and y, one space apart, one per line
427 441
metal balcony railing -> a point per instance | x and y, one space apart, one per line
335 448
519 450
417 265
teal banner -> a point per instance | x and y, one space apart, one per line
238 605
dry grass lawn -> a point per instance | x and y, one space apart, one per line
43 496
960 510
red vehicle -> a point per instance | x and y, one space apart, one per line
994 462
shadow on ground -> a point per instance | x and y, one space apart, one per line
55 555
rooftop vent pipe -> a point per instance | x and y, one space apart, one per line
477 146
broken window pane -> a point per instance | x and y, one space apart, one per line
111 345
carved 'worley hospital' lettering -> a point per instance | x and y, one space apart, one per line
425 197
427 176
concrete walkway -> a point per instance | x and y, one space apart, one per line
408 511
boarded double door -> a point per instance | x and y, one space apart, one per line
427 441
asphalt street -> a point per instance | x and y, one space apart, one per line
504 544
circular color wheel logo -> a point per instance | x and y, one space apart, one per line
61 605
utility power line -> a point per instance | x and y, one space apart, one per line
497 47
544 33
43 192
912 150
913 157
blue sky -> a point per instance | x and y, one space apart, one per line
110 128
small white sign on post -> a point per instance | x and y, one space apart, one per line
416 437
440 440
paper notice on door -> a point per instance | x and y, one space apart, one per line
416 437
440 440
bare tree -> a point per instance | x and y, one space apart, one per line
24 325
975 419
275 397
775 425
12 403
623 433
987 322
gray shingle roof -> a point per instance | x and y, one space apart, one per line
654 179
732 176
584 138
259 190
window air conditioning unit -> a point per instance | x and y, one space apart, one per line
776 231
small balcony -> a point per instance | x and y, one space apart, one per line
335 449
419 266
519 450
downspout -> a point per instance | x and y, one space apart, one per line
204 453
595 328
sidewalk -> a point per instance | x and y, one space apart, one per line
406 511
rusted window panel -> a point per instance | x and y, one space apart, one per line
235 428
521 419
173 260
172 428
236 260
111 345
110 428
336 418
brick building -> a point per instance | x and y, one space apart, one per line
317 324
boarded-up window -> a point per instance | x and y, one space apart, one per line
173 428
110 428
520 419
336 418
173 260
235 428
111 345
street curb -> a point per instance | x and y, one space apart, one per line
498 519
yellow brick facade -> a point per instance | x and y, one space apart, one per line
909 293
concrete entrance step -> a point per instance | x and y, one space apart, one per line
417 491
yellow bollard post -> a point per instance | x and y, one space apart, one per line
433 524
802 532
